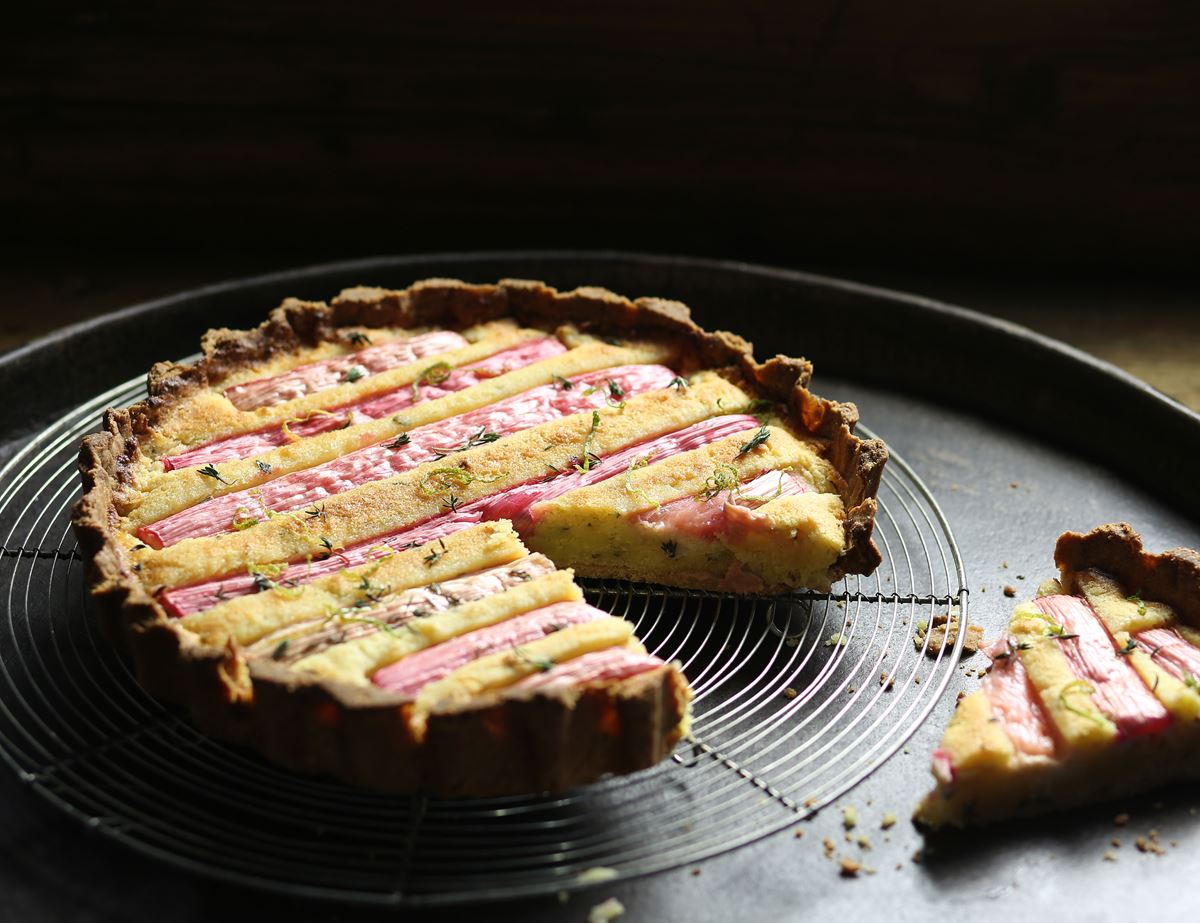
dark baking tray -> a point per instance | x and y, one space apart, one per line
1018 436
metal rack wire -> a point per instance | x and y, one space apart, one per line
797 699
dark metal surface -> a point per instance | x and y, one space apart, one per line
51 869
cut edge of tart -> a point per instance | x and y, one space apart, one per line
318 382
1093 693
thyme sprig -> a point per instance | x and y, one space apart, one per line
564 384
670 547
1137 598
358 338
1129 648
1011 649
262 466
679 383
316 511
399 442
482 436
436 555
763 434
210 471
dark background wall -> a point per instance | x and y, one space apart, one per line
1017 137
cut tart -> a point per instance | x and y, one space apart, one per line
336 537
1094 692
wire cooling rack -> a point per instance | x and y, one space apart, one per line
797 699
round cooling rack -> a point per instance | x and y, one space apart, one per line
798 698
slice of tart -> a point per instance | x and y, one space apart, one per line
1094 692
317 538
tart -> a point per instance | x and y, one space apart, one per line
1093 693
348 537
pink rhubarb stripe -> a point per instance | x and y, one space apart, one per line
423 444
1015 702
1171 651
246 445
509 504
613 663
1120 692
722 512
408 675
321 376
329 372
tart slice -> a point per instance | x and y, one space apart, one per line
1094 691
318 537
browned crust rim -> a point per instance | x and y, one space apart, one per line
1171 577
361 735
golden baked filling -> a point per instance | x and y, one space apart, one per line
337 537
1093 692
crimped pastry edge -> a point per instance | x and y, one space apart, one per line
356 733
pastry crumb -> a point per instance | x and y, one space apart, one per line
1009 590
1121 820
829 846
887 681
695 873
863 841
1116 841
888 822
849 868
919 856
942 632
790 693
607 911
798 833
1110 856
849 817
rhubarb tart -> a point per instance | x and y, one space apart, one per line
347 537
1092 693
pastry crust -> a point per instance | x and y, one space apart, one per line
499 744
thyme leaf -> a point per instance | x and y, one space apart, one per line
670 547
262 466
1129 648
400 441
679 383
358 338
564 384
